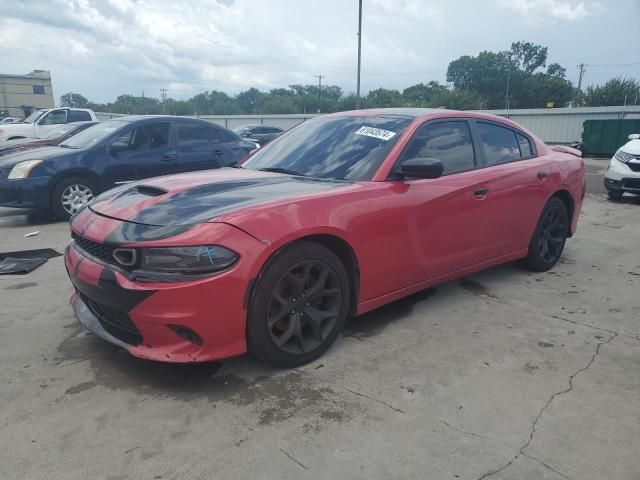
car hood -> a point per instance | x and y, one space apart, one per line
44 153
197 197
632 147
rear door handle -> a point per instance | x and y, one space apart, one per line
481 192
542 175
218 152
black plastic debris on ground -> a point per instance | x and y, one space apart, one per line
25 261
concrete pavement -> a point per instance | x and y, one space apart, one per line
503 375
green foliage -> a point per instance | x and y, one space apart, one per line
616 91
529 87
73 100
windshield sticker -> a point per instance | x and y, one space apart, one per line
376 133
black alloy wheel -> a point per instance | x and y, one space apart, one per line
550 236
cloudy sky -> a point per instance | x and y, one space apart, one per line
102 48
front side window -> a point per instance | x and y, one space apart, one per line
79 116
500 143
145 137
56 117
449 142
340 147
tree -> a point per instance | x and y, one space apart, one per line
421 95
384 98
489 73
617 91
73 100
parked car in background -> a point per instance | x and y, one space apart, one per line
261 134
63 178
9 120
623 173
338 216
55 136
41 122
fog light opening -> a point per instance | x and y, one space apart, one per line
186 333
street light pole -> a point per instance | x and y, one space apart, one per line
359 52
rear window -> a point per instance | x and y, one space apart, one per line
78 116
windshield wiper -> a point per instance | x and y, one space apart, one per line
286 171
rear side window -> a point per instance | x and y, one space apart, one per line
226 136
449 142
78 116
500 143
525 146
193 133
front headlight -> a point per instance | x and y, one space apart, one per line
190 260
21 170
623 157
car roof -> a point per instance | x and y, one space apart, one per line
399 112
253 125
141 118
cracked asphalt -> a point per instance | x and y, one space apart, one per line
503 375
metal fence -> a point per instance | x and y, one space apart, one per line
553 125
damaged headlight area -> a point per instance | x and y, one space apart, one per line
623 157
186 260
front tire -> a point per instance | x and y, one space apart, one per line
549 237
300 305
70 195
615 195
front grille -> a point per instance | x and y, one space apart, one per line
115 322
99 250
634 166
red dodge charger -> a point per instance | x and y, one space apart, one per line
338 216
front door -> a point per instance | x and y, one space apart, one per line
444 224
141 152
51 120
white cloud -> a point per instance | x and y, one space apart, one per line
102 48
537 10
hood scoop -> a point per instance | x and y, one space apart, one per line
150 190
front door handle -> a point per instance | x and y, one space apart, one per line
481 192
542 175
218 152
167 157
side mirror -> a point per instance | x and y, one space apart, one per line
422 168
634 136
118 147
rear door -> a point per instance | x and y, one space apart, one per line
199 147
516 183
141 152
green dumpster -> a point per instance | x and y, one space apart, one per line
604 137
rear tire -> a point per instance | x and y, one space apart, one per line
549 237
300 305
70 195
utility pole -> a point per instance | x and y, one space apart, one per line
319 77
359 52
506 97
143 107
163 94
582 68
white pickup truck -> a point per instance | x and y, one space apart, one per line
41 122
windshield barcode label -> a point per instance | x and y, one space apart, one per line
375 133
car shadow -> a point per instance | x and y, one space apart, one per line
21 217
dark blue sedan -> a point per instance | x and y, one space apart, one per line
63 178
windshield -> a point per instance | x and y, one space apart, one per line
58 132
341 148
34 116
93 135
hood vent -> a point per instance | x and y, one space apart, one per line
150 191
